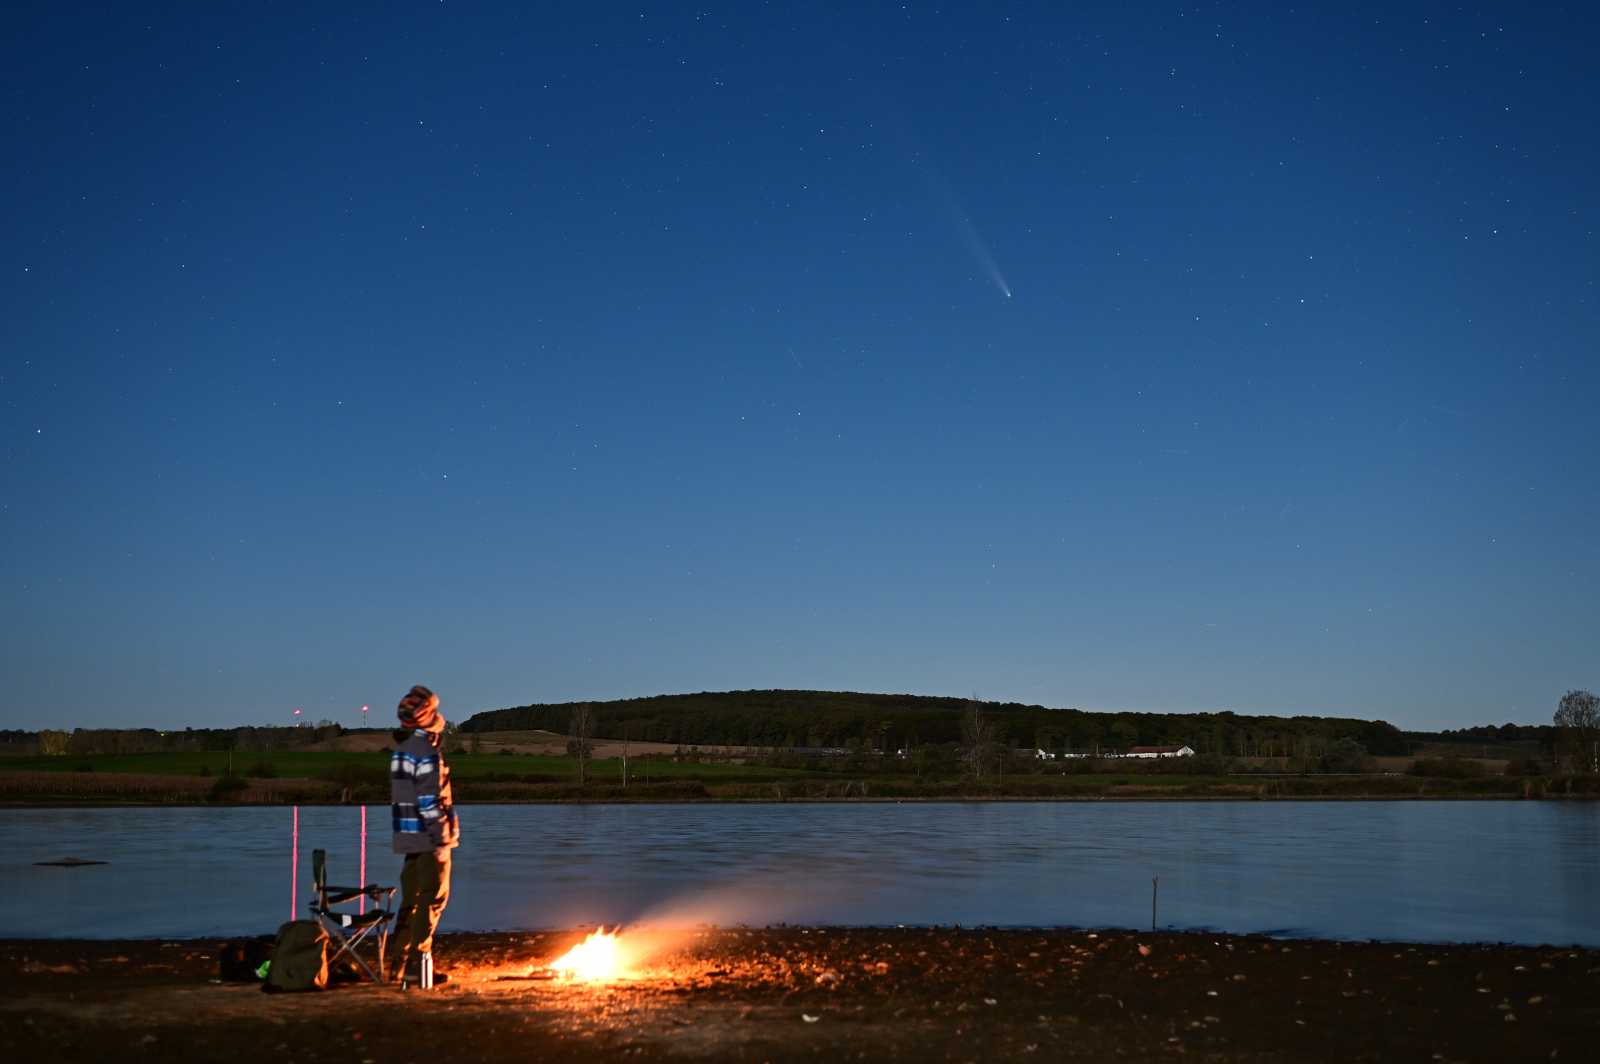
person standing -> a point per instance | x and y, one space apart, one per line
425 828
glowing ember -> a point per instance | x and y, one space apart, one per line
597 957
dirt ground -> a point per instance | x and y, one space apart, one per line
803 994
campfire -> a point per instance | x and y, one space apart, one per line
598 958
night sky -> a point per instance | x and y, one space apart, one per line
1213 357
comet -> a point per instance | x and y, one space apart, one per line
969 233
980 250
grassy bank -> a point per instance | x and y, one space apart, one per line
312 777
366 766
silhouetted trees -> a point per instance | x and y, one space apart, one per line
843 719
977 740
1346 755
1544 734
90 741
1578 718
580 732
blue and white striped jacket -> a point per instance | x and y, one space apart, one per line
419 792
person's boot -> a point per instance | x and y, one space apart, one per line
412 975
396 970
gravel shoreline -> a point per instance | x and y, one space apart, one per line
842 993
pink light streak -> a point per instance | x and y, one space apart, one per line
294 865
362 881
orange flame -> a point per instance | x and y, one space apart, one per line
598 957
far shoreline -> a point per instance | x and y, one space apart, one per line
1011 799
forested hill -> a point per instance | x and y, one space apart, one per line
886 722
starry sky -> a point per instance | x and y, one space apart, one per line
1122 356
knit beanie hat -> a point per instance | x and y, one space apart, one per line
420 709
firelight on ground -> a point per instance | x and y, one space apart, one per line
598 957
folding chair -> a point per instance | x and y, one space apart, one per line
350 929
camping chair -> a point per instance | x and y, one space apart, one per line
350 929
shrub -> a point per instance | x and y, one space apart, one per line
1346 756
226 787
355 774
676 790
1083 766
1198 765
1455 768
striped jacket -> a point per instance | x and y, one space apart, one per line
419 792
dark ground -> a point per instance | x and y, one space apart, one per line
834 994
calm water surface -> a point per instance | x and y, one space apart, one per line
1426 871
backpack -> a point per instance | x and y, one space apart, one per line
240 959
299 958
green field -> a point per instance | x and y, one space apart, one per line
372 768
328 765
298 776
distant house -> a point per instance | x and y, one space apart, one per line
1044 755
1159 751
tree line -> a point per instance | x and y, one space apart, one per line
856 721
1543 734
83 742
1577 723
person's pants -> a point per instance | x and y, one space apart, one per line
424 892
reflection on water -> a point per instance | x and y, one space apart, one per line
333 878
1431 871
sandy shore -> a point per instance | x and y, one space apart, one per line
821 993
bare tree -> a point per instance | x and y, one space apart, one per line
579 740
1578 717
977 738
919 759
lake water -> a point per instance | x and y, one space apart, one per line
1425 871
